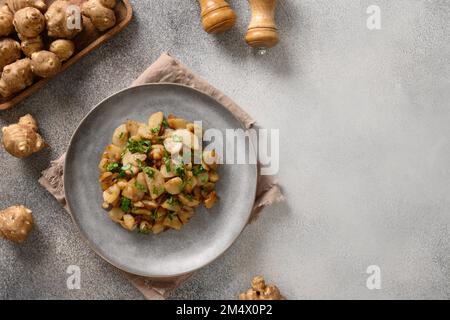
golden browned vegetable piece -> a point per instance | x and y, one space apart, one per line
63 48
6 21
16 223
58 17
9 52
16 5
101 13
21 139
45 64
29 22
31 45
16 77
261 291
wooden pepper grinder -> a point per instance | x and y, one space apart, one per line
217 16
262 32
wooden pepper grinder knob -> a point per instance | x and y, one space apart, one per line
262 32
217 16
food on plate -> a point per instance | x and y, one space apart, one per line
9 52
6 21
45 63
149 178
21 139
63 48
57 18
16 223
16 77
31 45
29 22
101 13
261 291
16 5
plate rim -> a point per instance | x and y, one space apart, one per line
91 245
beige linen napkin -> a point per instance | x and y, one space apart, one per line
167 69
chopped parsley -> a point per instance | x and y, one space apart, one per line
123 171
197 170
148 171
155 214
180 170
156 129
144 230
177 138
140 187
125 204
188 196
157 190
204 178
142 146
121 135
171 215
167 164
165 123
113 167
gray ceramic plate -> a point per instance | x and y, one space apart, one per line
209 233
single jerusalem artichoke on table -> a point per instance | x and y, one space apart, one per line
16 223
29 22
16 5
6 21
21 139
9 52
261 291
101 13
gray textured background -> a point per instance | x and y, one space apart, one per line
364 118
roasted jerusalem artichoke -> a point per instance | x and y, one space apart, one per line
6 21
16 223
101 13
21 139
261 291
31 45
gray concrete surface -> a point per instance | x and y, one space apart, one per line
365 145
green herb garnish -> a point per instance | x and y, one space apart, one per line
123 171
198 169
180 170
156 129
142 146
188 196
148 171
121 135
167 164
155 214
177 138
140 187
171 215
112 167
204 178
125 204
165 123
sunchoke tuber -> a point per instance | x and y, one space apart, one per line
16 5
21 139
29 22
16 223
101 13
261 291
6 21
16 77
45 63
31 45
63 48
9 52
58 17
